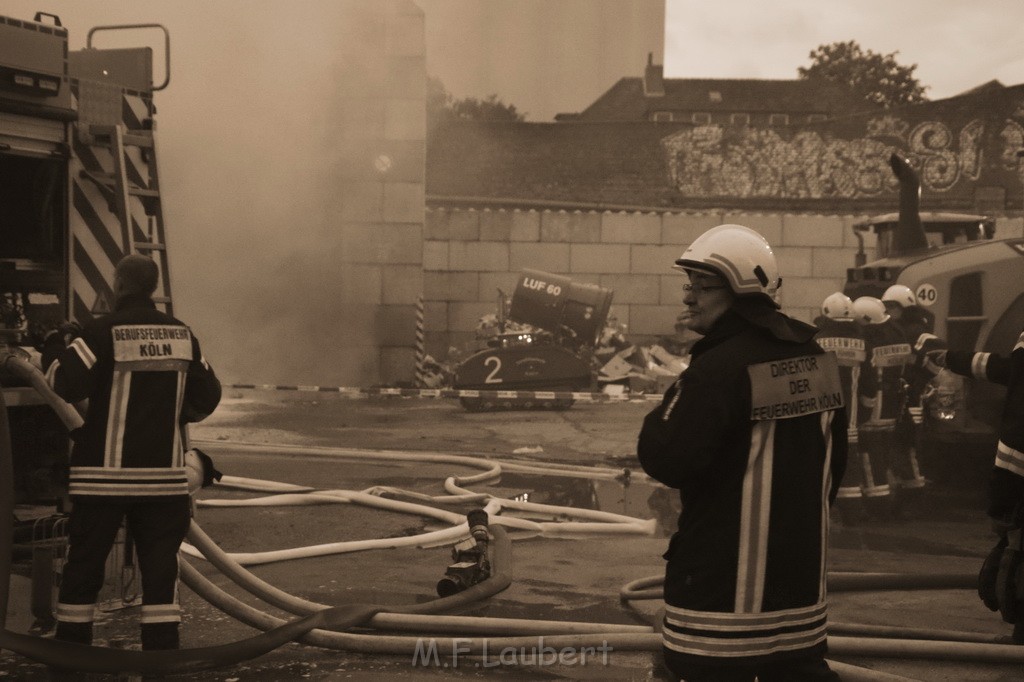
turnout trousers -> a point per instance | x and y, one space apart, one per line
905 466
877 446
157 525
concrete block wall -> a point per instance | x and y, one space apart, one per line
382 169
469 254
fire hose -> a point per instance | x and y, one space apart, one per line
986 649
26 371
96 659
593 521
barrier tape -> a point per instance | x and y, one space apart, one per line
353 392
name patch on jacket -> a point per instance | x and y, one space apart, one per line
892 355
794 387
141 342
847 348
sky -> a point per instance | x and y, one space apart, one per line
543 56
956 44
518 55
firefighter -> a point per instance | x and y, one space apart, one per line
753 435
143 375
881 400
839 333
912 319
1001 583
901 304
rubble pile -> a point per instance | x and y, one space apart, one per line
618 366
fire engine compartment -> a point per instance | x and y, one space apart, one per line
35 106
51 100
32 252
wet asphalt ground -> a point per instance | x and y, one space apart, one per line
574 578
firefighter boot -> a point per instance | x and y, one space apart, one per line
851 511
79 633
908 503
157 636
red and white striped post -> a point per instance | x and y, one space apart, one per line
420 350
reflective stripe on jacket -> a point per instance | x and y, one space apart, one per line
137 367
746 569
1007 484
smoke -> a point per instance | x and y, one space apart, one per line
259 126
544 57
249 147
261 259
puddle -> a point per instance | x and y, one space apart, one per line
638 499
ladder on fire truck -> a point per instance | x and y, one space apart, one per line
127 181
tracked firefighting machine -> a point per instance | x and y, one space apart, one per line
546 358
968 281
79 189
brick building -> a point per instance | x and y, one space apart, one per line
753 102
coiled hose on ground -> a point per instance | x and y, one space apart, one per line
321 624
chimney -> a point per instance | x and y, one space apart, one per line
654 79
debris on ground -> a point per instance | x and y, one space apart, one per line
642 369
619 366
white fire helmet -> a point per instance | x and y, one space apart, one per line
901 294
869 310
837 306
193 471
739 255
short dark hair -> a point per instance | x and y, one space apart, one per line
138 274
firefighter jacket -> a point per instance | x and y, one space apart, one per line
1007 482
917 331
883 376
845 338
753 435
143 374
922 373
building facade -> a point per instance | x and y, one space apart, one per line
740 102
615 203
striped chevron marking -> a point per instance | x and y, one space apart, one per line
97 242
353 392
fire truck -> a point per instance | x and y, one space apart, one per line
79 189
970 284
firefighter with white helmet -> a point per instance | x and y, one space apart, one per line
760 402
870 310
902 304
901 295
738 255
839 333
916 323
837 306
882 400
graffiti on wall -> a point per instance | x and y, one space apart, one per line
745 162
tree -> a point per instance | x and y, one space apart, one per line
878 78
442 106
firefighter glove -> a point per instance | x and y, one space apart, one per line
1010 579
988 574
210 473
936 357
